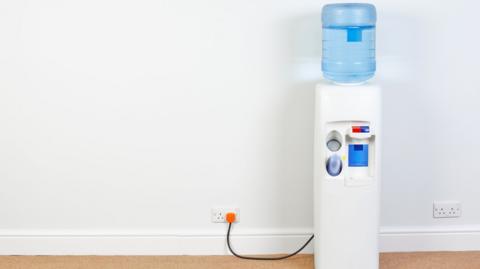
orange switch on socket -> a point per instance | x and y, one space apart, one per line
230 217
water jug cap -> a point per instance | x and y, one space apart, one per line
348 15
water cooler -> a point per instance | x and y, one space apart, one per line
347 142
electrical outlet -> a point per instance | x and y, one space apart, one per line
447 209
218 214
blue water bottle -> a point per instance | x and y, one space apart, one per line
348 42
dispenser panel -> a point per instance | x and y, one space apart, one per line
350 152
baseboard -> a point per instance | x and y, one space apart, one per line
392 239
442 238
154 242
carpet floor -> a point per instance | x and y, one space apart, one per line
416 260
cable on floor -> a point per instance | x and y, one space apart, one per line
231 218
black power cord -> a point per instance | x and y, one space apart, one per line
263 258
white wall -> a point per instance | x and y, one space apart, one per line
129 120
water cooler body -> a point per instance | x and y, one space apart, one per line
347 176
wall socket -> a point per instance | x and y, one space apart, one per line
447 209
218 214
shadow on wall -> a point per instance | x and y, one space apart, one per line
404 73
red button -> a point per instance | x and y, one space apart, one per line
356 129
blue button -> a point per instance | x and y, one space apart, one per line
358 155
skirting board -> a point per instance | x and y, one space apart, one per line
443 238
391 240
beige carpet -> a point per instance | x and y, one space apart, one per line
418 260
